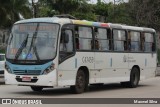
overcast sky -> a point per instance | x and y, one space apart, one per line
106 1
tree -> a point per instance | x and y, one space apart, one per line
146 12
119 13
101 10
3 12
78 8
10 10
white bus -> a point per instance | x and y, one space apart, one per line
55 52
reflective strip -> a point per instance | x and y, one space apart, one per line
75 62
111 62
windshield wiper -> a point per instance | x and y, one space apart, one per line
9 42
33 45
24 43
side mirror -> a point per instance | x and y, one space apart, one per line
3 38
65 36
153 47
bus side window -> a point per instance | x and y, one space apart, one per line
96 41
135 41
109 37
119 37
102 39
153 47
76 38
142 41
125 45
149 45
129 41
84 37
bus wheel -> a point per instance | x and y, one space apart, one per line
134 78
79 87
36 88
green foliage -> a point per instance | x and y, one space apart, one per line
146 12
135 12
119 14
82 16
101 9
2 51
158 56
10 10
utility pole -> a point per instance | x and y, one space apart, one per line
33 11
33 3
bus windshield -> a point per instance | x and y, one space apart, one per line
32 42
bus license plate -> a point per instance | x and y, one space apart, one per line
26 78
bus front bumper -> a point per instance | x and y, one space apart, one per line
49 79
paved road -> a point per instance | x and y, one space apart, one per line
149 88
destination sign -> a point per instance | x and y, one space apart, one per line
35 27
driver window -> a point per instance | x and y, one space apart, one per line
66 44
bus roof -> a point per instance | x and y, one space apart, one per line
85 22
111 25
135 28
46 20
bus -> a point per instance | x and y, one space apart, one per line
59 51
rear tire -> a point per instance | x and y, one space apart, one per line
80 84
36 88
134 79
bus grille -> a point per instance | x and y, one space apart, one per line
27 72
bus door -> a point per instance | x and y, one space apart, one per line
65 69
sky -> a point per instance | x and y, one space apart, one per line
106 1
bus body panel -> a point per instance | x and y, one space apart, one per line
68 69
111 66
49 79
146 63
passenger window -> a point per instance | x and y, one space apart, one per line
83 37
102 39
120 43
148 42
134 41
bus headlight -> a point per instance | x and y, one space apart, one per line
49 69
7 68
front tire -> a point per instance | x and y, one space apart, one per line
80 84
36 88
